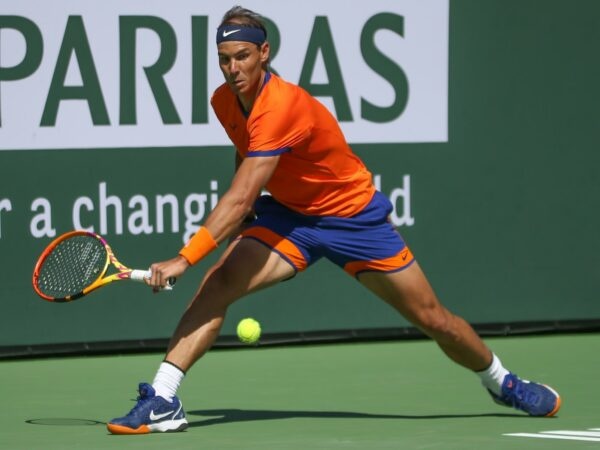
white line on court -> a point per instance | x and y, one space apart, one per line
593 435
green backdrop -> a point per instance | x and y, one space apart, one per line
506 212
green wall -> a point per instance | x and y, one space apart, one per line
506 212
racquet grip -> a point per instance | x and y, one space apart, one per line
142 275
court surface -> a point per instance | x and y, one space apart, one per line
386 395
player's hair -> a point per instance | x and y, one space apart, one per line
244 16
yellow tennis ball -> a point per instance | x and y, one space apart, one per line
248 330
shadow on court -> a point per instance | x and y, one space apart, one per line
221 416
63 421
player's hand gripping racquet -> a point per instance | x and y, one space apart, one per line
76 263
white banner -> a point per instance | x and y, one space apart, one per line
139 73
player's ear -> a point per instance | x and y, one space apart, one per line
265 52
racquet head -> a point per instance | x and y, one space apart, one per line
70 264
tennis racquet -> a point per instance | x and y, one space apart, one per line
76 263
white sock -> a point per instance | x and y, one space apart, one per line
493 376
167 380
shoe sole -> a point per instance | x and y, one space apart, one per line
558 402
168 426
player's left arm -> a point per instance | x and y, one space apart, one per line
267 131
251 215
227 216
235 205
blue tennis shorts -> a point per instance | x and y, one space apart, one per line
366 241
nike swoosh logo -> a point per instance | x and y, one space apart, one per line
227 33
159 416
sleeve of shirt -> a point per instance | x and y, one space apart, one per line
275 131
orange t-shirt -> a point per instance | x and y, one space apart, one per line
317 174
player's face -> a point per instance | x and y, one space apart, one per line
241 64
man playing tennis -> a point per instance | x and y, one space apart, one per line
322 204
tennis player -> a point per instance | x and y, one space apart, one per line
322 204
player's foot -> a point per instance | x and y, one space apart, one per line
151 414
533 398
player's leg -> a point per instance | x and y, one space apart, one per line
246 266
367 247
409 292
273 248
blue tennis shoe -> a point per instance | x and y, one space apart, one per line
533 398
151 414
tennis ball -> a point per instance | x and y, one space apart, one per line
248 330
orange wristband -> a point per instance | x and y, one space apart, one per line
200 245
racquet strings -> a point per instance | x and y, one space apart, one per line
71 266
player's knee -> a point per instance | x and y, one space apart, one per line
437 323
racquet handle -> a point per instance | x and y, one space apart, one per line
142 275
